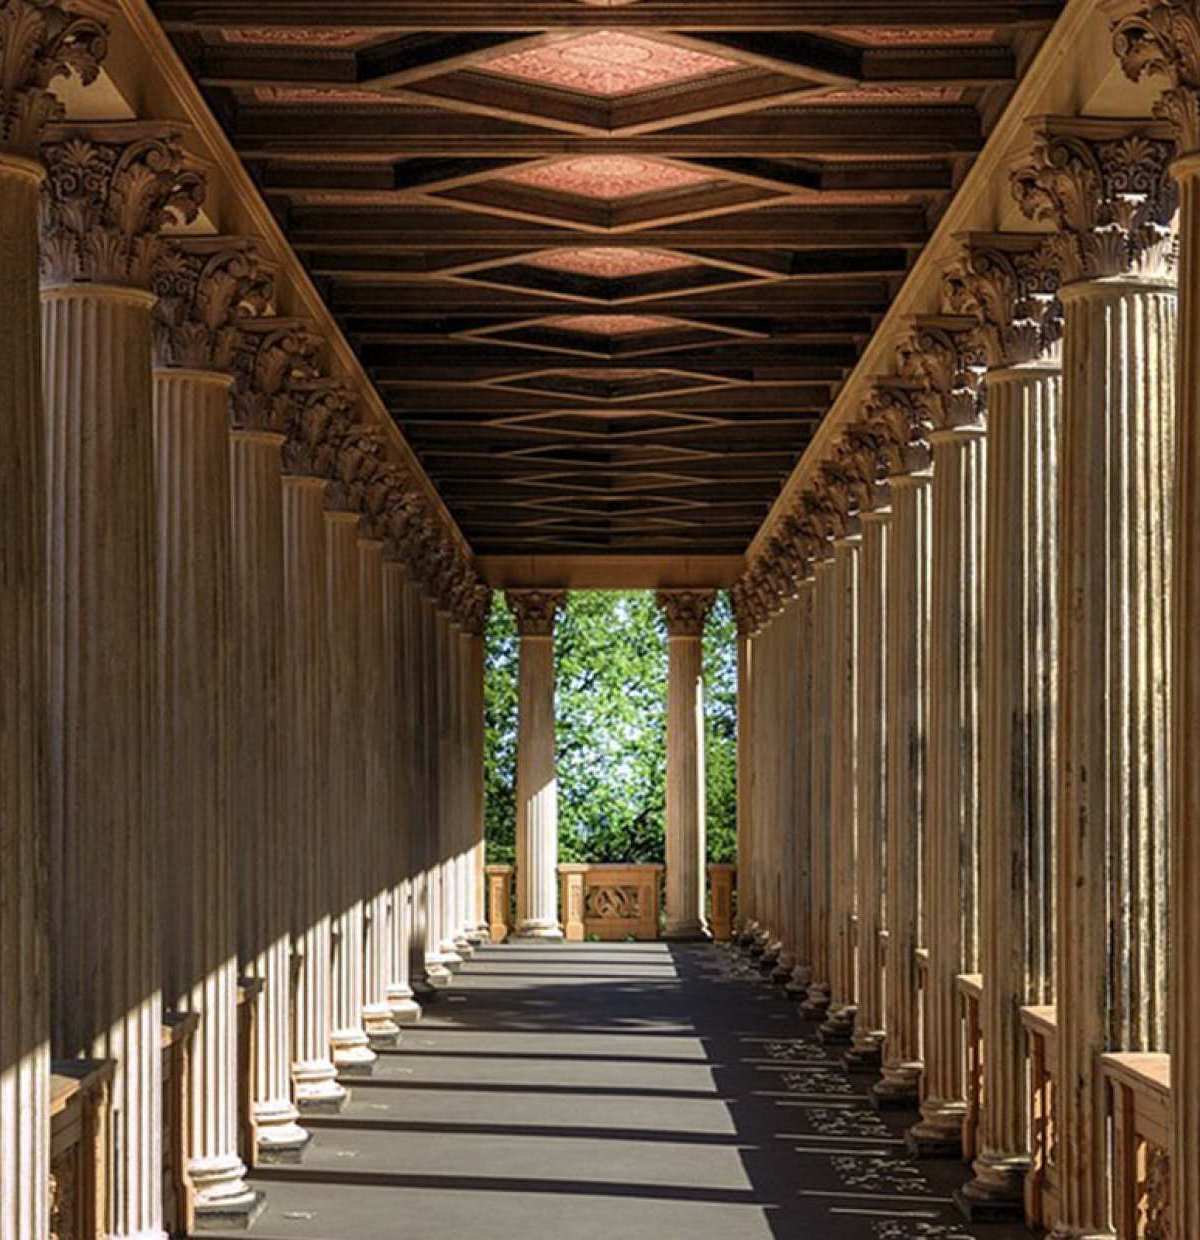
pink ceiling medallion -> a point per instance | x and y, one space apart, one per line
608 177
612 324
612 263
609 63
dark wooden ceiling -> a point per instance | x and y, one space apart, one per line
608 261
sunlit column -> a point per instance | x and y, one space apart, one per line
685 612
110 188
205 286
537 791
1114 253
801 777
745 835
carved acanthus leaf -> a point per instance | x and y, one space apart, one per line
357 463
318 425
206 287
1163 39
535 610
942 355
110 191
274 358
1009 287
863 455
898 414
1111 200
41 40
686 610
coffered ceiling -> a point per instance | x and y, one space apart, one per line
608 261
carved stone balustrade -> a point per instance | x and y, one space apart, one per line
499 901
179 1198
722 883
1042 1195
80 1148
1140 1098
611 902
970 990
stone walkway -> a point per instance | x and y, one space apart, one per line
610 1092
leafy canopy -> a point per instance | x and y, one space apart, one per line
611 699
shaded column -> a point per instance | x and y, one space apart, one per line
42 42
900 420
274 354
442 946
871 771
944 351
477 613
801 777
1114 253
343 839
685 612
204 286
787 688
1005 284
746 911
306 724
110 189
537 789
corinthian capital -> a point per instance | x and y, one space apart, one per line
356 464
111 191
41 40
1105 187
318 425
275 359
685 610
207 287
942 355
897 413
535 611
1163 39
1006 283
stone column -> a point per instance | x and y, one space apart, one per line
1165 38
788 663
344 839
306 723
537 791
945 352
110 189
477 618
843 788
204 286
1006 285
816 1004
1114 254
273 353
401 723
378 823
907 657
685 612
746 911
802 788
42 42
442 947
871 778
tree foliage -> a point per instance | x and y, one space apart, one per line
611 695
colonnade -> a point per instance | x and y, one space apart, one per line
536 612
240 677
970 648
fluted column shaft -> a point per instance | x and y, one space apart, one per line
907 654
685 843
24 897
477 914
1018 760
824 607
1184 978
105 845
951 843
801 776
400 723
537 793
441 875
789 739
871 782
747 910
344 837
843 787
198 894
261 827
376 868
425 972
1117 461
306 694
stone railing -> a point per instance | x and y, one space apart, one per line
178 1032
1041 1184
970 989
249 993
1140 1097
80 1148
722 883
610 902
499 880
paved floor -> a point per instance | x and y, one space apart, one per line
610 1092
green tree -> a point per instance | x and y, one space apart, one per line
611 691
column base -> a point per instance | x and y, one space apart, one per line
938 1134
437 977
781 974
446 956
899 1089
222 1198
478 936
352 1053
383 1034
866 1055
462 945
687 932
768 958
816 1006
797 986
318 1091
280 1140
405 1009
996 1191
838 1029
545 931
